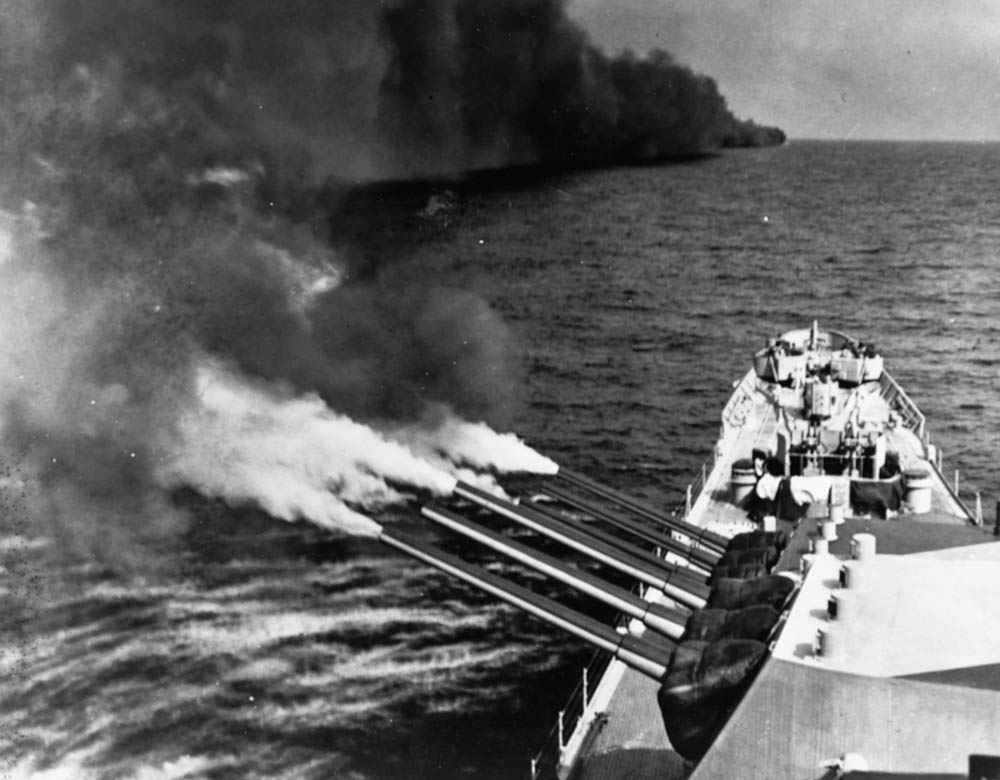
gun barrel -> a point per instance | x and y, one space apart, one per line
699 535
677 586
662 619
684 569
643 656
701 558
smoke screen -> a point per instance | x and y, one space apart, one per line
170 184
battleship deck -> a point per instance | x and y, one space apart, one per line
865 627
914 686
626 739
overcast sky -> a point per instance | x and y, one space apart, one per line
897 69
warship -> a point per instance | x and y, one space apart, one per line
823 604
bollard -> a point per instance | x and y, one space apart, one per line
840 606
851 575
837 513
863 547
829 642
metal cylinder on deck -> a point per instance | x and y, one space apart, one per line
851 575
840 605
863 547
743 480
828 530
917 484
830 642
836 513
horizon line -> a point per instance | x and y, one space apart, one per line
851 139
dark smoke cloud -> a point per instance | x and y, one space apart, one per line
293 83
478 83
162 178
349 89
169 175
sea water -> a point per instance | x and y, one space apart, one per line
633 297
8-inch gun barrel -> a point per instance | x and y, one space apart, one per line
702 558
641 655
660 618
676 584
702 536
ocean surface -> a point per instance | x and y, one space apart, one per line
633 297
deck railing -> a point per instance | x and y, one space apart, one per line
735 411
694 488
977 516
576 712
897 399
914 420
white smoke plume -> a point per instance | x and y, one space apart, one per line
475 444
297 459
291 456
104 444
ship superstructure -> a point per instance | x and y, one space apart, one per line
823 597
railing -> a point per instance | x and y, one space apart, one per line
897 399
575 714
976 517
735 411
914 420
694 488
